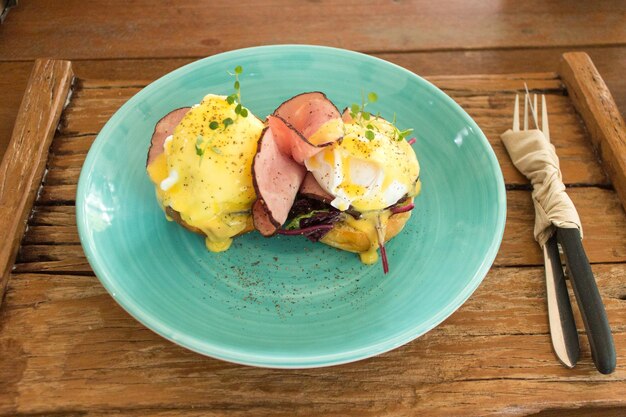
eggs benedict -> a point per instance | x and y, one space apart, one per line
200 163
345 181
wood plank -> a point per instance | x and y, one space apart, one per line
601 231
67 145
37 120
91 108
69 330
33 253
12 84
210 27
52 224
595 103
610 61
57 194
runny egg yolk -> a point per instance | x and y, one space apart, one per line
367 174
205 174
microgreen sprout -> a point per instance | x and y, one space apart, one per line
199 149
397 133
362 116
358 113
235 99
201 145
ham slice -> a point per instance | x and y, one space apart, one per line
291 142
307 112
311 188
277 178
278 168
162 130
345 115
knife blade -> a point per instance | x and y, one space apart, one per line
562 325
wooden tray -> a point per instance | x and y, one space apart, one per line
66 347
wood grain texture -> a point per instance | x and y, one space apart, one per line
71 350
610 61
594 102
23 165
74 349
12 85
188 28
54 225
488 99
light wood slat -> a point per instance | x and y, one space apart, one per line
68 145
92 108
68 330
63 176
53 216
470 84
23 164
595 103
57 194
32 253
602 217
15 74
57 235
205 28
56 225
13 85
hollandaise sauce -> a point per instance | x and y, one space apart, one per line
204 172
369 175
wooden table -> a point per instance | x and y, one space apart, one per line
117 39
68 349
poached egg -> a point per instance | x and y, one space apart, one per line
204 172
368 175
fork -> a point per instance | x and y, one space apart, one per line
563 331
562 326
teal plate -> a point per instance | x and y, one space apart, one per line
285 302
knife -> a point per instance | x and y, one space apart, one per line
589 300
562 325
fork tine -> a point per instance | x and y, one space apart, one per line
544 118
532 108
516 114
534 111
526 101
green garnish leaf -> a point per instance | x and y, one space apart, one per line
237 85
238 69
355 108
199 150
214 125
231 99
244 112
238 109
369 135
370 127
216 150
365 115
372 97
227 122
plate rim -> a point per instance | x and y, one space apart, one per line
274 361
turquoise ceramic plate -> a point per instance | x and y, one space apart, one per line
285 302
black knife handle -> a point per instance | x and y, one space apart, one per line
559 301
589 300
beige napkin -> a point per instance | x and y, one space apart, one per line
534 156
